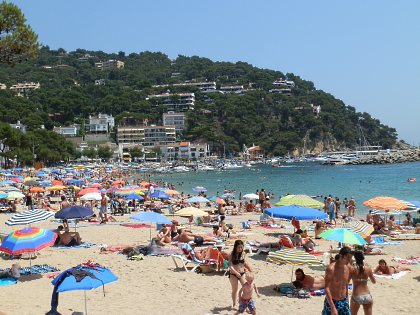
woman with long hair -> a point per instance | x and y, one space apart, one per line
237 268
361 294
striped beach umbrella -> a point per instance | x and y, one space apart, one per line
27 240
292 256
362 228
385 203
29 217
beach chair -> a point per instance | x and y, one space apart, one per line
190 260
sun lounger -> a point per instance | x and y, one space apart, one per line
190 260
406 237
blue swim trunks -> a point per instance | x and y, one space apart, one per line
243 304
342 307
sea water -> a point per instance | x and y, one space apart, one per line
343 181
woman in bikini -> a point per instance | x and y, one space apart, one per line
360 274
237 268
384 269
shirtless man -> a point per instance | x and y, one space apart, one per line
337 278
70 238
308 282
186 237
103 209
164 235
352 207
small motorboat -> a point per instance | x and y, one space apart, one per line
411 179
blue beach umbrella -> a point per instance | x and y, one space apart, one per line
159 195
93 277
74 212
151 217
199 188
300 213
134 197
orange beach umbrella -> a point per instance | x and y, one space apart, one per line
385 203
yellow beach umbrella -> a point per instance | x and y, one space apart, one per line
300 200
191 211
14 195
57 187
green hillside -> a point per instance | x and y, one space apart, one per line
279 123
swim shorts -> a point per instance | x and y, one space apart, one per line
342 307
243 304
198 240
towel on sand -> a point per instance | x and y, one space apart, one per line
395 276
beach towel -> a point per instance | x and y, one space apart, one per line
7 281
408 261
165 250
83 245
395 276
136 226
36 269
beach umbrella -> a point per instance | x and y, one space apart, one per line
96 185
389 212
7 182
159 195
92 196
10 188
16 180
57 183
343 235
36 189
27 240
92 277
29 217
3 195
118 182
250 196
12 195
74 212
362 228
57 187
199 188
227 196
31 182
300 200
172 192
151 217
299 212
85 191
134 197
292 256
198 199
385 203
191 211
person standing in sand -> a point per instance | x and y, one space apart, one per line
352 207
245 295
103 209
237 268
361 294
337 278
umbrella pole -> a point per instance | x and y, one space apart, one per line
85 302
291 277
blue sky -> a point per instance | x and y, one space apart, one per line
366 53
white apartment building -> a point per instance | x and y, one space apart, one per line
236 89
109 65
23 88
67 131
284 91
102 123
148 136
284 83
174 102
202 86
174 119
185 150
2 86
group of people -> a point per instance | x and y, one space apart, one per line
332 206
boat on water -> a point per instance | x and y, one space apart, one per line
276 165
411 179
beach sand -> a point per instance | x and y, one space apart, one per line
153 286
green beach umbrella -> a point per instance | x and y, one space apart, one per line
300 200
343 235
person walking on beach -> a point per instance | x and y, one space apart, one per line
245 295
103 209
261 197
351 207
361 294
337 278
237 268
331 211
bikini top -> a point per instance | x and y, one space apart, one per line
361 280
238 261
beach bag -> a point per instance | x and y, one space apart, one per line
286 288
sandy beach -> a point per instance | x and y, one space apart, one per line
154 286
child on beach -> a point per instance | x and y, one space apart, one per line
245 295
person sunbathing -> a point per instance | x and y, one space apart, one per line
186 237
384 269
70 238
164 236
13 272
308 282
319 228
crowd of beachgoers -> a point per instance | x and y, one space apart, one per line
224 234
